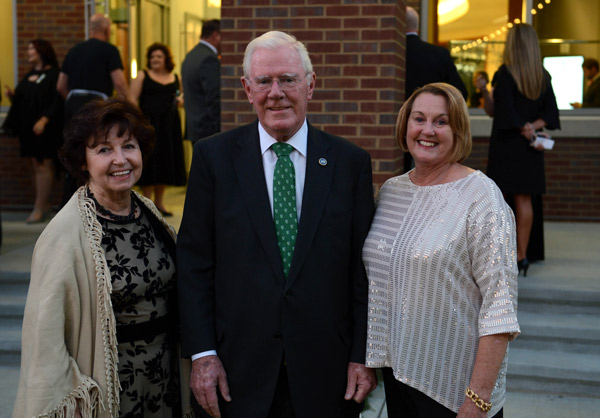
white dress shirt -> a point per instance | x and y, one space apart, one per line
298 156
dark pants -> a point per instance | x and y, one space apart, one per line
404 401
282 402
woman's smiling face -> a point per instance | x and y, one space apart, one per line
429 136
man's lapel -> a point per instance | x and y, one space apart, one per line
320 164
247 161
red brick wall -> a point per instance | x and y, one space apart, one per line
60 22
572 178
357 51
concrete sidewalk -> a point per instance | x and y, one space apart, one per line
572 266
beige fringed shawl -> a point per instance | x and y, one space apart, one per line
69 347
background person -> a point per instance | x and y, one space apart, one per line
91 71
36 117
101 308
271 282
523 104
591 93
201 77
476 98
426 63
442 271
159 94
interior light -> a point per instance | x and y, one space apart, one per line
533 11
451 10
517 21
134 70
214 3
540 6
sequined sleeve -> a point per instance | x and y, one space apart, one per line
491 243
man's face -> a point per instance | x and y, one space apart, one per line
278 89
589 73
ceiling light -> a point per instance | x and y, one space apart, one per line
451 10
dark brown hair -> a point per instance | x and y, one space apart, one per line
44 48
92 124
169 63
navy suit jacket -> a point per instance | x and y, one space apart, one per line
234 296
201 79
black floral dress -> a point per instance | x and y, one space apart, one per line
143 280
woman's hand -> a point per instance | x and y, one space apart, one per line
40 125
8 92
528 131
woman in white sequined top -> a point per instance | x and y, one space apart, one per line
442 270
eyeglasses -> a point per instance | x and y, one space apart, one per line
285 83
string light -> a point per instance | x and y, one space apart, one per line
498 32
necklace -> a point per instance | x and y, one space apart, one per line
119 218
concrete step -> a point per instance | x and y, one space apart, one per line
571 333
559 300
552 372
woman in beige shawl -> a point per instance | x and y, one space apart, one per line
100 329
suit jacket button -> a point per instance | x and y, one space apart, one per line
286 295
278 336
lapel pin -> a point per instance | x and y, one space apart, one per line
323 162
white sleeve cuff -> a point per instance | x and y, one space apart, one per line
204 354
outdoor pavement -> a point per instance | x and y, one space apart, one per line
572 263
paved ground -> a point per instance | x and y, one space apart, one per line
572 262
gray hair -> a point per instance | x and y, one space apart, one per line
275 40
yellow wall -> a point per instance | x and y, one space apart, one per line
179 9
7 74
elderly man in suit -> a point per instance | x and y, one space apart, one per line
273 289
201 78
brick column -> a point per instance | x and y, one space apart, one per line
357 51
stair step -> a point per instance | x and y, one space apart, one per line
553 372
559 332
559 300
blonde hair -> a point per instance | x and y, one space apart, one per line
458 116
523 60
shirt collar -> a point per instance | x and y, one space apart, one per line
299 140
212 48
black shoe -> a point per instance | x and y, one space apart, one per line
165 213
523 265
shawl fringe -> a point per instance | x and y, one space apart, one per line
86 397
93 229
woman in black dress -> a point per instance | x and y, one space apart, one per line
159 94
523 104
36 118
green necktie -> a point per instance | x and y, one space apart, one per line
284 203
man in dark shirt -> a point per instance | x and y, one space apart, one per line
90 71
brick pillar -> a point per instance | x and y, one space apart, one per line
357 51
62 23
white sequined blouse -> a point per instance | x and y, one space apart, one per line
441 262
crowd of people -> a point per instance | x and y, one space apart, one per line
288 284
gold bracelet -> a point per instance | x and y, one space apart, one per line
481 404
